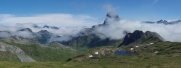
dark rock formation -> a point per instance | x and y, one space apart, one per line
50 27
139 36
110 16
26 29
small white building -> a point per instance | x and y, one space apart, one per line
136 46
151 43
156 52
131 48
90 56
96 53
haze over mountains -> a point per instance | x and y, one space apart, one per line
113 28
114 31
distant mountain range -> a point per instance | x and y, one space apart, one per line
86 37
50 27
163 22
40 47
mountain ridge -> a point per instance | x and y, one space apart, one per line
137 37
165 22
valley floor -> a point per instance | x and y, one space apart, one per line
140 61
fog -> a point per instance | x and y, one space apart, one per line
64 33
114 29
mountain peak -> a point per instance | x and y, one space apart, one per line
35 26
52 27
138 37
43 31
110 17
26 29
165 22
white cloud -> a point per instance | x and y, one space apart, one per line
110 9
8 28
115 29
49 19
2 16
7 31
66 33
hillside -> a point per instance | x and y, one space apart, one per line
87 48
138 37
54 52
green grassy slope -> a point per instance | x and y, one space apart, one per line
42 53
150 61
163 48
168 56
8 56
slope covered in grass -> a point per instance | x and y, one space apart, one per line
141 61
45 53
8 56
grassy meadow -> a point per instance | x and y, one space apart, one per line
168 56
139 61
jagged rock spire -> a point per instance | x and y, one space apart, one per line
111 16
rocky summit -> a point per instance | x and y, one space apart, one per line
138 37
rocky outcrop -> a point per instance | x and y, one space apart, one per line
131 37
16 50
139 36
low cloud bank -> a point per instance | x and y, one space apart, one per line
115 29
60 34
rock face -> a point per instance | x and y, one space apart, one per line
131 37
139 36
16 50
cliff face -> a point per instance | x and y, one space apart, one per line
139 36
132 37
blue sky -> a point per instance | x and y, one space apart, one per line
87 11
